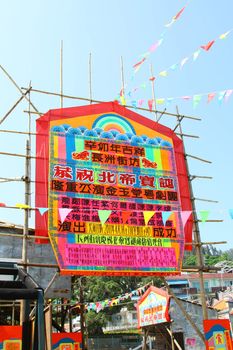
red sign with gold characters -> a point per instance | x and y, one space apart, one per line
115 185
218 334
11 337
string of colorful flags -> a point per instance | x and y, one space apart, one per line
100 305
221 96
105 214
158 42
165 72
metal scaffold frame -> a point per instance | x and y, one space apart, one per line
26 93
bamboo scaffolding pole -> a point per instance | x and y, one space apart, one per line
153 91
197 237
205 200
90 78
17 87
186 315
61 74
193 177
187 135
161 114
35 134
33 237
14 106
98 101
198 158
122 76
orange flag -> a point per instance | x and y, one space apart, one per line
125 215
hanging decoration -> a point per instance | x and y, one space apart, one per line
157 43
204 214
192 57
100 305
222 96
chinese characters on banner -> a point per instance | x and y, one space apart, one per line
115 184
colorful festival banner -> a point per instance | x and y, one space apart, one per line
11 337
67 341
96 162
153 307
218 334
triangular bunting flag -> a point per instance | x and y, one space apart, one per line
160 101
186 98
63 212
185 216
196 100
165 216
140 102
231 213
178 14
163 73
211 96
221 96
42 210
123 100
22 206
196 54
150 104
174 66
148 215
125 215
228 94
224 35
182 63
104 215
204 215
208 46
154 46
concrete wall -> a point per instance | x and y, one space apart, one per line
11 249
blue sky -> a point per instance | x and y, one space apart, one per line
30 37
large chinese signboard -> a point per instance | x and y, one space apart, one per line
153 307
218 334
115 184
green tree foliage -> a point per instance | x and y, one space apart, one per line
211 256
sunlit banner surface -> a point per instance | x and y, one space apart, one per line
115 185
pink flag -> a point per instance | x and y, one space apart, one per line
150 104
140 102
227 95
186 98
185 216
208 46
154 46
63 212
211 96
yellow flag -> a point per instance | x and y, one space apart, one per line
148 215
